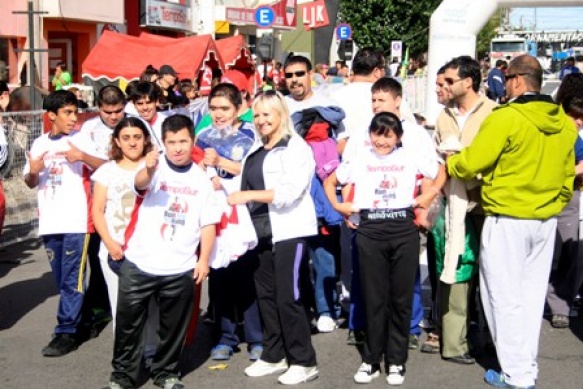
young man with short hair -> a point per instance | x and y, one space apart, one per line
174 219
59 164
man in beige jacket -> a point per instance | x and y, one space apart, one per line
456 127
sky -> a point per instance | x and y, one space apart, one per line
565 18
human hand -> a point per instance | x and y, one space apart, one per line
211 157
152 159
73 154
114 249
201 271
216 180
36 164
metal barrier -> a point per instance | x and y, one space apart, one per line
21 129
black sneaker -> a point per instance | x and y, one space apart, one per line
61 344
355 338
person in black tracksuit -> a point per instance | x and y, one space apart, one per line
384 177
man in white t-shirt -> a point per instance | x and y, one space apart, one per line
59 164
168 244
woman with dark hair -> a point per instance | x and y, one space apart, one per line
388 244
149 74
225 142
113 194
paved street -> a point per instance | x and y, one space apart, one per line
27 315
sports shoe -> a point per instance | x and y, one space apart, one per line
431 344
297 374
113 385
413 342
326 324
221 352
366 373
355 338
255 352
61 344
260 368
396 375
172 383
560 321
495 379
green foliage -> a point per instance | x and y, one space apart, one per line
487 34
376 23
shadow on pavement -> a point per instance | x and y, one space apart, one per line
21 297
14 255
195 355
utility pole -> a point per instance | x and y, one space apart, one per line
31 50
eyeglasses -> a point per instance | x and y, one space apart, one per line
451 81
299 73
511 76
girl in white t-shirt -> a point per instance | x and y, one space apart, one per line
385 180
114 197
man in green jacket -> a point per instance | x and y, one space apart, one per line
524 152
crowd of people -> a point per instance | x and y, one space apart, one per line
278 199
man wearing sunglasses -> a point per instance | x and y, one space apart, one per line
524 152
458 124
298 76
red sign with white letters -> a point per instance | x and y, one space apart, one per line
315 15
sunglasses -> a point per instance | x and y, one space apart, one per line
511 76
299 73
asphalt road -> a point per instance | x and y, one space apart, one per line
28 303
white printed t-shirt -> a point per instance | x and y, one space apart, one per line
385 182
99 133
121 198
164 233
64 189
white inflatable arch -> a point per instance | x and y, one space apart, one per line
453 29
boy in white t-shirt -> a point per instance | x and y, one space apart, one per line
385 180
174 220
59 163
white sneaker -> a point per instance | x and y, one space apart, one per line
260 368
396 375
366 373
297 374
326 324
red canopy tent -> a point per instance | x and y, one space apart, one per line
235 52
122 56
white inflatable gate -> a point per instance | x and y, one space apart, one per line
453 29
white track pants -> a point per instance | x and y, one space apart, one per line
515 262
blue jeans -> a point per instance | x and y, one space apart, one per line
356 321
68 258
322 249
417 311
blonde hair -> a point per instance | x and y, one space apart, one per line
275 101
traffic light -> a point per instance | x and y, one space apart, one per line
345 49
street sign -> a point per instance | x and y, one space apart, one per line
343 31
396 49
264 16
